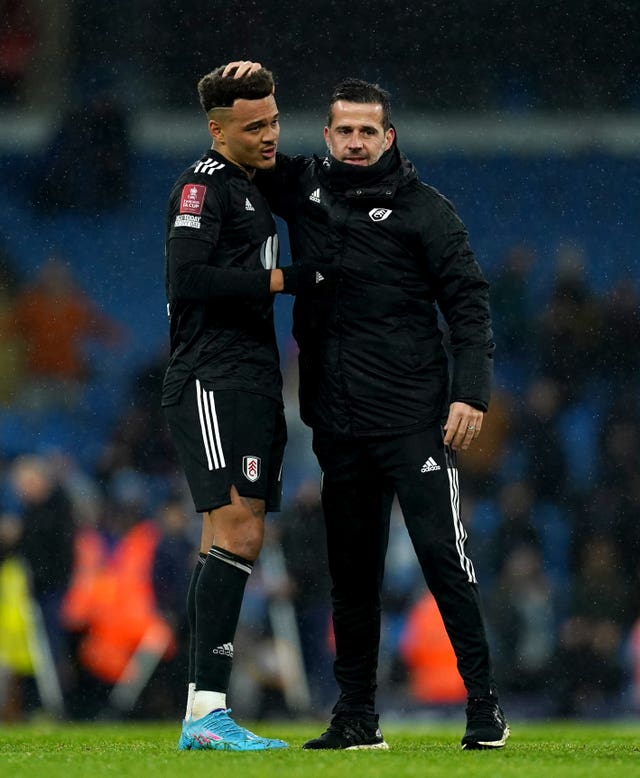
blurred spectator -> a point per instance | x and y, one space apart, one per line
570 330
80 485
140 438
426 649
87 168
612 506
483 462
517 526
523 622
535 523
173 564
621 326
539 430
44 535
511 304
46 527
136 442
11 355
18 40
589 667
55 320
633 652
111 606
403 584
16 659
304 544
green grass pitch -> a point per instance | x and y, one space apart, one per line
551 750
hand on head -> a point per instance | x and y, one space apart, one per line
244 68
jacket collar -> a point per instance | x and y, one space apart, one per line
377 181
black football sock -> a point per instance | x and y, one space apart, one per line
191 615
219 594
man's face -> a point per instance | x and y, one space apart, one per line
356 135
247 133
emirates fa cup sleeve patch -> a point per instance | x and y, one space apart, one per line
192 198
251 468
187 220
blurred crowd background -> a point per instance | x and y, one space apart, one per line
527 116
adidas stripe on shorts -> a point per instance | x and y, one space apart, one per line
226 438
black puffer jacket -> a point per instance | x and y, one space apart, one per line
371 355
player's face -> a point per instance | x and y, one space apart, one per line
247 133
356 135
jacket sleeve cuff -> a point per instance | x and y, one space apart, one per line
473 378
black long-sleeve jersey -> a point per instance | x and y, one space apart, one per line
221 241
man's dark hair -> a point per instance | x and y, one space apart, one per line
218 92
354 90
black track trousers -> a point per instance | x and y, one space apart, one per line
360 478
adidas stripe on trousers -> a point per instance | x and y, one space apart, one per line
361 476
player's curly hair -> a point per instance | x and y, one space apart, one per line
218 92
354 90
